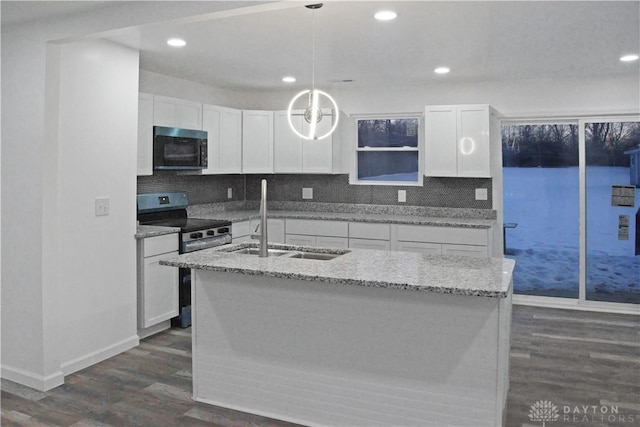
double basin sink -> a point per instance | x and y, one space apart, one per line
291 253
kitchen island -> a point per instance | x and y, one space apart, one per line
351 337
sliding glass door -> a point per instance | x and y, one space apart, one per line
557 177
541 207
612 150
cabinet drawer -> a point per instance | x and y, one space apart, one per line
381 245
317 227
466 250
362 230
160 244
332 242
420 247
453 235
301 240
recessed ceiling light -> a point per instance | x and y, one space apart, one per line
629 58
176 42
385 15
289 79
441 70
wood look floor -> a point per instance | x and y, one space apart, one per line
569 358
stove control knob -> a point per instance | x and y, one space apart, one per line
195 235
211 232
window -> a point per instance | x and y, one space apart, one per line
388 152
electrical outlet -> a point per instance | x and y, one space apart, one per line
102 206
481 194
402 196
229 193
307 193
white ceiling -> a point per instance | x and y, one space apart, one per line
14 12
478 40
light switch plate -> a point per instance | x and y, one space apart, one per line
481 194
402 196
229 193
102 206
307 193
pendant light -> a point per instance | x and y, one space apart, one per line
313 112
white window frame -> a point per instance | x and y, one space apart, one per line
353 173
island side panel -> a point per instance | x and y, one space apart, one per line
504 349
328 354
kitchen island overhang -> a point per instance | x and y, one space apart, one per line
340 342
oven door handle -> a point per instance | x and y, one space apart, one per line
197 245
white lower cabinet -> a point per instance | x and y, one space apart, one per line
242 230
474 242
433 240
466 250
363 235
422 247
332 242
380 245
317 233
301 240
157 284
317 241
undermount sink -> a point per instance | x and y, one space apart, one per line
256 251
291 253
314 255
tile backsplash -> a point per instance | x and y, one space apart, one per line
436 192
200 189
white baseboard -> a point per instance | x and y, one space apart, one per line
31 379
44 383
87 360
147 332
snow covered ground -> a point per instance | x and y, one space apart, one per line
544 202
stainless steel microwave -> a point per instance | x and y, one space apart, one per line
179 149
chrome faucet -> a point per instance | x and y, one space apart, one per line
262 226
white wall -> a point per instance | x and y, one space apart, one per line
513 98
159 84
86 310
65 305
22 160
94 307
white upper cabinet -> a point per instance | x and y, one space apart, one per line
287 146
317 155
293 154
177 113
145 134
457 141
257 141
224 139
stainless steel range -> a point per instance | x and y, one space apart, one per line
170 210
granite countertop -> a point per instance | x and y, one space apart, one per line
244 215
144 231
487 277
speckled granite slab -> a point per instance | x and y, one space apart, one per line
144 231
437 217
487 277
